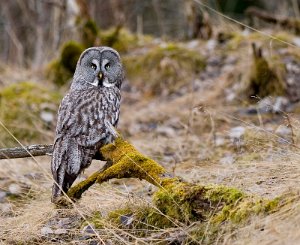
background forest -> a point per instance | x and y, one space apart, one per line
212 93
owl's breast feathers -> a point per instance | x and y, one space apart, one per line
82 115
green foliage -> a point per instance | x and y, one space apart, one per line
21 105
60 71
163 69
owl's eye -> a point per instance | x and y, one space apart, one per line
93 66
107 66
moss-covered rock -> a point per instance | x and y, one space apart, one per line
163 69
21 107
60 71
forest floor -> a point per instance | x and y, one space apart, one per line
203 134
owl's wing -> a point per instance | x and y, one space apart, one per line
63 117
60 143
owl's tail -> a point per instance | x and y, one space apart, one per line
62 185
63 179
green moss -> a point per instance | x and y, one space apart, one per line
128 163
216 193
171 67
21 105
95 219
89 33
60 71
58 74
120 39
263 81
70 54
182 203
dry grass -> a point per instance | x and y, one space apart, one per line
180 132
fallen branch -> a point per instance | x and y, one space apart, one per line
27 151
31 151
289 23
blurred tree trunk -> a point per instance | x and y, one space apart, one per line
15 49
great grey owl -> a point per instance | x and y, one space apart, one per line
92 103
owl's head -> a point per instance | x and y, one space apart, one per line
98 67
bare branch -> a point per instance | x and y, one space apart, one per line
28 151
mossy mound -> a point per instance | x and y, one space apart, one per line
60 71
120 39
22 105
163 69
180 204
89 33
263 81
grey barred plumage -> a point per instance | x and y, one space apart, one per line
93 100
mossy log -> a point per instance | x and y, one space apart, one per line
175 198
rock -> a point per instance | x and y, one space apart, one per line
89 229
47 116
265 105
127 219
45 231
60 231
64 222
229 159
236 133
192 44
219 141
34 176
230 96
15 189
285 133
296 41
281 104
274 105
3 194
5 208
211 44
166 131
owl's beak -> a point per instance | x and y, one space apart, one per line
100 75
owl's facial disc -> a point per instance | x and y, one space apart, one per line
105 68
96 67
